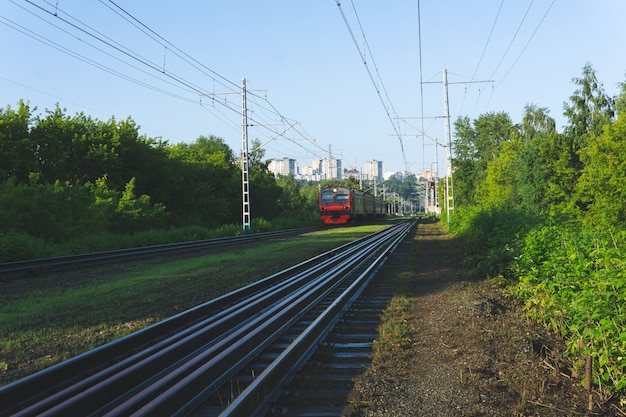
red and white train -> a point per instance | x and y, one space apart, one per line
339 205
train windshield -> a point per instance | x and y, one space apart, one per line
335 195
342 196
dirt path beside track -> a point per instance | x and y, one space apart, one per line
472 352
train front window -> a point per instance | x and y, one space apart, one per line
342 196
327 196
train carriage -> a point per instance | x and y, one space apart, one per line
339 205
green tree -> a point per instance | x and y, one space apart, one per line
264 192
16 150
406 187
475 147
587 112
54 212
291 203
77 149
134 214
620 101
310 193
143 158
533 167
206 182
60 146
589 109
498 189
601 187
464 160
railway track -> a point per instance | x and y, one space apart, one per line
30 268
227 357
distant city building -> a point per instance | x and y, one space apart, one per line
328 169
309 174
352 173
429 175
285 167
400 175
373 170
323 169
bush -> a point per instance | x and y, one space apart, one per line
491 236
573 279
16 246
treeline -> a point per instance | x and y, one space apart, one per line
545 212
76 184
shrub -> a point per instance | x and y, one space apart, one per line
573 279
15 246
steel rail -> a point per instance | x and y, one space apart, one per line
172 348
208 372
256 398
76 368
123 376
19 269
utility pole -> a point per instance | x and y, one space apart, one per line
245 153
448 135
431 195
446 108
245 161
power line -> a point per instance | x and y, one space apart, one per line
493 26
522 51
80 57
227 82
419 34
116 46
527 43
512 39
356 44
170 78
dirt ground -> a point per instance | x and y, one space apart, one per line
472 353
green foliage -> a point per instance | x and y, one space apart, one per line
405 187
16 150
476 146
499 187
589 109
77 182
491 236
531 168
206 183
53 212
546 210
16 246
573 279
137 213
290 202
601 189
264 193
261 225
310 192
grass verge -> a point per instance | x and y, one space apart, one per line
49 320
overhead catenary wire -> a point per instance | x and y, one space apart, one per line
369 72
187 58
522 51
508 48
157 71
482 55
419 36
87 60
96 64
116 46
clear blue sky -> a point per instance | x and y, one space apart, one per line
302 64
